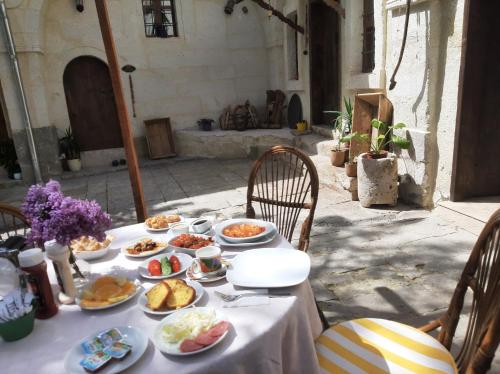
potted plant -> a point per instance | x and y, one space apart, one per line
8 159
70 150
351 167
342 126
378 169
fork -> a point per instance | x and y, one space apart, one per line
228 298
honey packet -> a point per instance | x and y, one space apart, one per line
118 350
95 361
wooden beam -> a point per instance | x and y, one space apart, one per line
279 15
123 116
335 5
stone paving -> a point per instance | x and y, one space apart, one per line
400 263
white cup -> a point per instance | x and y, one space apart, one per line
209 259
201 225
179 228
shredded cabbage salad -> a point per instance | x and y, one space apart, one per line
188 326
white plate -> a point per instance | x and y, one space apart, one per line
137 339
92 255
264 240
173 349
191 252
219 228
138 289
269 268
143 300
184 259
164 229
144 254
194 274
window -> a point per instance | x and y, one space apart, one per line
368 37
159 18
292 50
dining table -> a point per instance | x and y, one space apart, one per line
277 337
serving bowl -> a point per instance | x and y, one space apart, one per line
269 227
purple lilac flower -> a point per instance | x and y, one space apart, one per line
55 216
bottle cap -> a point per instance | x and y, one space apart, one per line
30 257
53 248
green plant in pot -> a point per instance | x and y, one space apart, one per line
70 151
342 126
377 169
8 159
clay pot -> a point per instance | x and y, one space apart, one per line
337 158
351 169
377 180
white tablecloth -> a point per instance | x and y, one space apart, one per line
274 338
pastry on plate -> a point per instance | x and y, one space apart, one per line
182 294
157 296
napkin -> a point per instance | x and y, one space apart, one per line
260 298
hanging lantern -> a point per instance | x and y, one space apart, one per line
79 5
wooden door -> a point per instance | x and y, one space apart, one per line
4 133
476 163
91 104
324 61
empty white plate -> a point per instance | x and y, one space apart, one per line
269 268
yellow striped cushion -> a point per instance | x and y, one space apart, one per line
371 345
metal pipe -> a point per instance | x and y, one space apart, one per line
11 48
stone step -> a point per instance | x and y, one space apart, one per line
315 144
323 130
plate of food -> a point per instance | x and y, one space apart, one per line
106 292
263 240
162 222
109 351
143 247
189 243
170 295
89 248
244 230
165 266
190 331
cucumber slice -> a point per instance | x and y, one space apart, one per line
166 267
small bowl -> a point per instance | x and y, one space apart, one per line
179 228
19 328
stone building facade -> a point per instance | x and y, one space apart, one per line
219 60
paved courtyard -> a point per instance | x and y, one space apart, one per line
400 263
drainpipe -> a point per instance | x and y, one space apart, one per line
11 48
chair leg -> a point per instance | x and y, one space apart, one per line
324 321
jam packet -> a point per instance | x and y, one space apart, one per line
110 336
93 345
118 350
95 361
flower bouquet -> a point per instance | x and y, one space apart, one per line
55 216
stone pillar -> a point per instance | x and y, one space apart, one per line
378 180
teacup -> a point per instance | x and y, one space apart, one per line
201 225
209 259
179 228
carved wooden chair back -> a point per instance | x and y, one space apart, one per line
12 222
284 182
482 276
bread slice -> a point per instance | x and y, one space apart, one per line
181 294
157 296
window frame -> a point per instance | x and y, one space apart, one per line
368 52
158 9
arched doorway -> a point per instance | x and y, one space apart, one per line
91 104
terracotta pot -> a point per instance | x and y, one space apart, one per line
75 164
351 169
337 158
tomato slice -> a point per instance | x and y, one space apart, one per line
176 264
154 267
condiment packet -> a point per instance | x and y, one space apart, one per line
118 350
15 304
110 336
95 361
92 345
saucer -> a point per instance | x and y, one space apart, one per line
194 273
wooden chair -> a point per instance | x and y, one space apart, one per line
482 275
283 182
12 222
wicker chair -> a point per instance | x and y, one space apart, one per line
12 222
482 275
281 181
482 337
